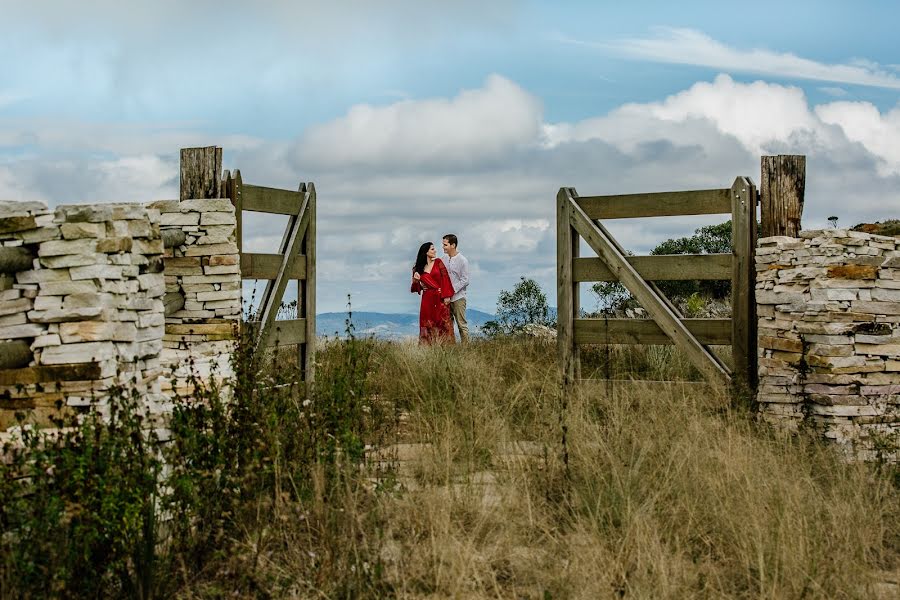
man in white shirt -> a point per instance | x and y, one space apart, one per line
458 267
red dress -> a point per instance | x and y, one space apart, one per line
434 316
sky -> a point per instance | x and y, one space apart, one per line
416 118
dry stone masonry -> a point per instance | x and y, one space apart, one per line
83 302
89 305
829 337
205 270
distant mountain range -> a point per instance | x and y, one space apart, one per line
389 326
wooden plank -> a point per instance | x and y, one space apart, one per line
782 187
257 198
271 301
282 248
282 333
237 199
51 373
716 332
599 240
309 292
659 204
265 266
201 170
663 267
565 316
225 329
743 283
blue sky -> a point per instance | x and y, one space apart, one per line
419 118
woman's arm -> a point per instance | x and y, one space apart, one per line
446 288
416 285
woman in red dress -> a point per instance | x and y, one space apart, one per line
431 279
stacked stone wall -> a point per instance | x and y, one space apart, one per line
205 270
90 306
829 337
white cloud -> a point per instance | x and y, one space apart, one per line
476 125
755 114
10 97
837 92
373 215
511 235
762 117
691 47
863 123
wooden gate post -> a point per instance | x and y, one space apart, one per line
567 290
743 283
782 187
306 290
201 171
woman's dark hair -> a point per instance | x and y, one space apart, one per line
422 257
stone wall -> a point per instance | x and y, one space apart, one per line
87 300
829 337
90 306
205 270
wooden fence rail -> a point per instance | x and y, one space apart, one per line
295 261
578 218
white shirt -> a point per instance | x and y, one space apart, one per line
458 267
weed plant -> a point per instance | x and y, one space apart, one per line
413 472
78 506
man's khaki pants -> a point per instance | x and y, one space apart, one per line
458 310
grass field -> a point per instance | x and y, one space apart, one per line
460 473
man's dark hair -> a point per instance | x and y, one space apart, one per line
451 239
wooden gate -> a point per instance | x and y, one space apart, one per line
579 217
295 261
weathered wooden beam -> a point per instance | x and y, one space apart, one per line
646 331
15 354
266 266
658 204
308 293
663 267
14 259
282 333
600 241
201 170
235 191
565 316
743 282
271 300
257 198
173 302
172 238
782 187
51 374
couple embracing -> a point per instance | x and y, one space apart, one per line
443 289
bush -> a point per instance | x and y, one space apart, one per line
613 297
526 304
78 506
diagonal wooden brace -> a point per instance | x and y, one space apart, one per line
599 239
271 301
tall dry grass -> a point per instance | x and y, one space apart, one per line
461 472
660 491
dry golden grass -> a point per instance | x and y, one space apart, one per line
659 491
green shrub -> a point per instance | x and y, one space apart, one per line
78 507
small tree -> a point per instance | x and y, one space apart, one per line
524 305
711 239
